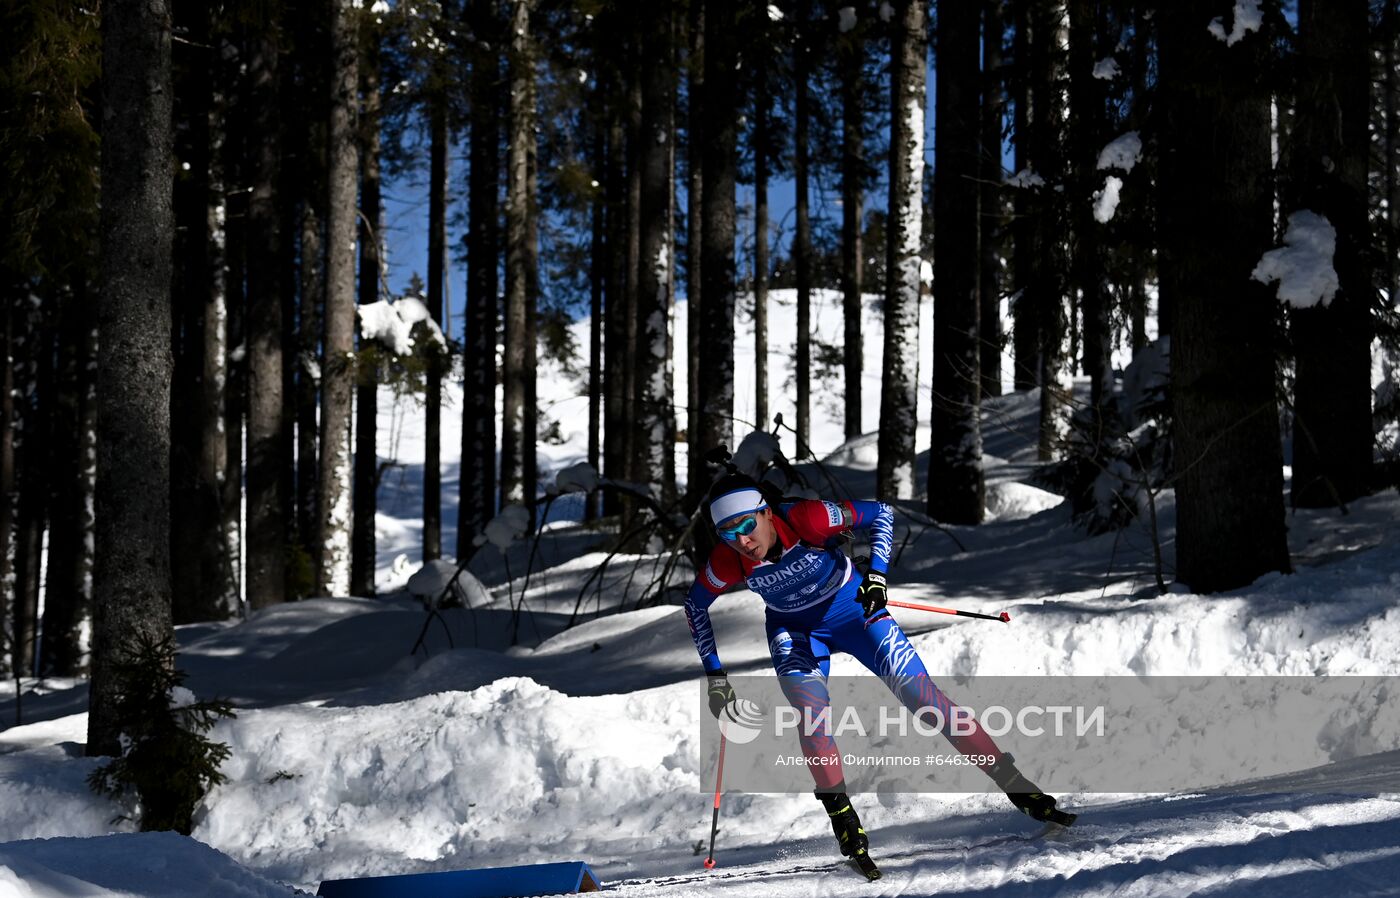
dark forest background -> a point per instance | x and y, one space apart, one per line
192 208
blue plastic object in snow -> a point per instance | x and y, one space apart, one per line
497 882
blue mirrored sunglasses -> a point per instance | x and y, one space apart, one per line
743 528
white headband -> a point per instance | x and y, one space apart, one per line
735 503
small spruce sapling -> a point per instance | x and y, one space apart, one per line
167 764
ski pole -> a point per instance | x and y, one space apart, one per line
1003 617
714 823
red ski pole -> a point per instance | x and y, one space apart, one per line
714 823
1003 617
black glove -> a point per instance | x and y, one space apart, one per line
872 594
721 694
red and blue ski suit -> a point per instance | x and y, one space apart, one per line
812 610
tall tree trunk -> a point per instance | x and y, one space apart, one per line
34 475
478 478
898 395
65 599
516 373
1390 160
1139 265
219 578
131 578
616 349
1332 439
7 488
802 248
597 277
672 63
87 476
437 256
632 283
1216 206
531 253
267 533
306 193
850 51
992 222
956 492
718 225
192 68
1087 102
338 355
291 190
696 477
362 543
655 418
1047 292
1025 334
762 150
313 295
236 360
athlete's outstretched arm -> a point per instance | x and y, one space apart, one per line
697 615
719 572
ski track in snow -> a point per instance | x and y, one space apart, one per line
507 741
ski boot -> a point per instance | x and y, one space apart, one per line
844 822
1023 793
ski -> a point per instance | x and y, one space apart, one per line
865 865
1061 818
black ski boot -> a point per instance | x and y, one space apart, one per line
849 834
1023 793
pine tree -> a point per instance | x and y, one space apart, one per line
267 533
1332 440
992 218
956 492
66 598
654 424
338 358
1089 134
802 245
718 220
1025 336
694 290
192 77
478 478
307 102
131 577
898 400
851 48
439 138
516 438
1215 205
362 542
1046 295
762 139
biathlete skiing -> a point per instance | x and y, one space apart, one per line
817 602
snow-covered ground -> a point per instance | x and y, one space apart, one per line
510 739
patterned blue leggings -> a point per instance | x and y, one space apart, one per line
801 646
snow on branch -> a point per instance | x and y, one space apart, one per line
1303 265
1106 200
576 478
392 323
1122 152
510 525
1248 17
1025 178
